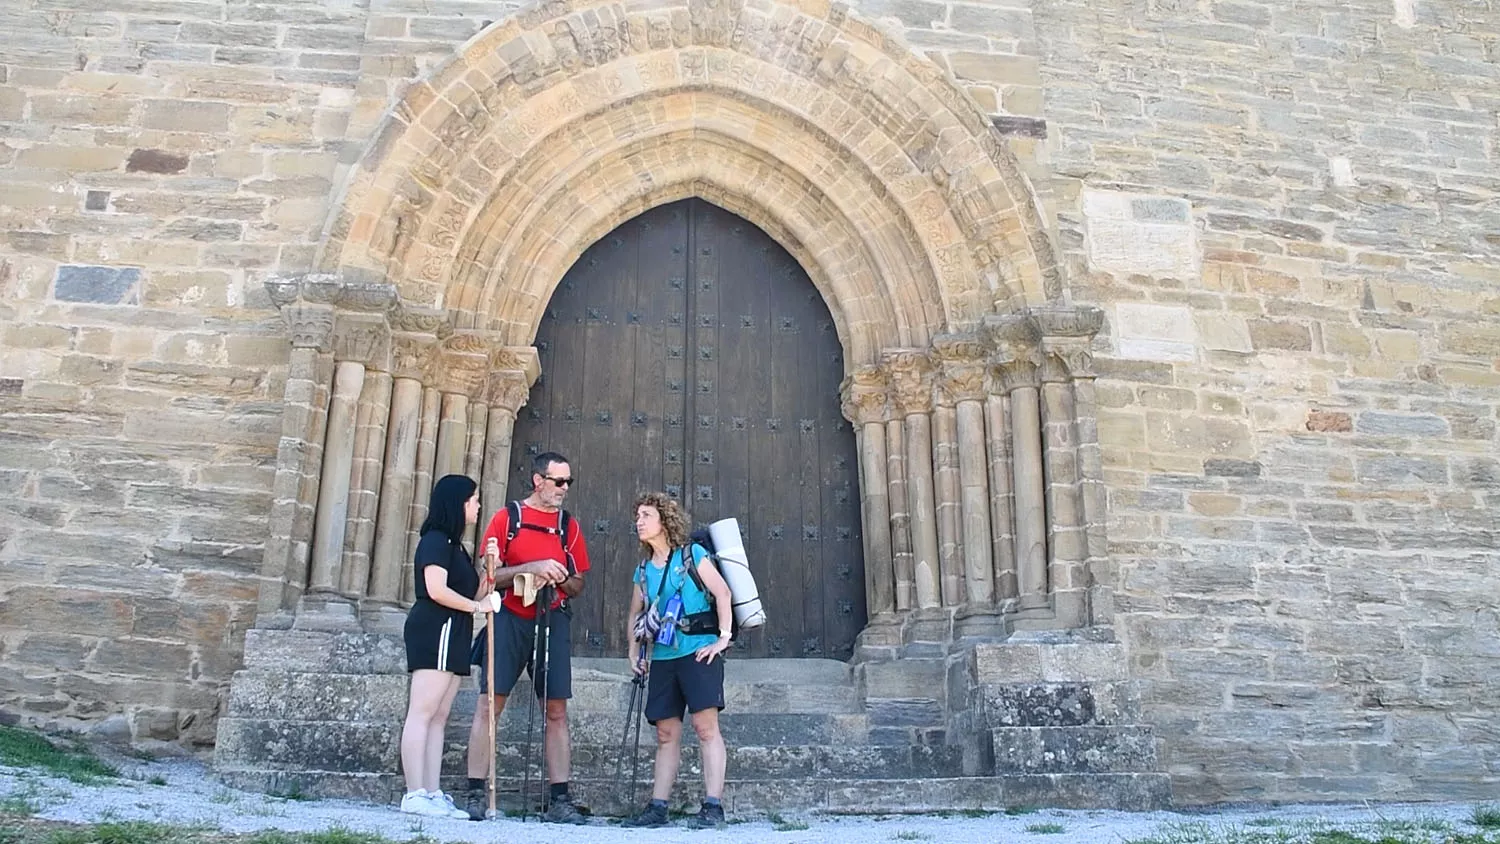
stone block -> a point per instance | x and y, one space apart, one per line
1401 424
98 285
1073 750
186 116
155 161
318 652
1280 335
1047 663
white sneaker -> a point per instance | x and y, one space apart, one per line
444 803
419 802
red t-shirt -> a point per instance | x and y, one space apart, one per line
532 545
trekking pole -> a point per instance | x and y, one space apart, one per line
489 681
636 696
536 639
640 715
544 613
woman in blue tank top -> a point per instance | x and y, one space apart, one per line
686 670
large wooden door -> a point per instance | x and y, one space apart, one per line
687 351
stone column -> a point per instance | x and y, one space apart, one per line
949 518
432 402
1066 335
865 404
1016 344
452 436
963 361
364 483
299 453
512 372
911 377
479 416
900 503
367 340
413 364
333 494
1002 496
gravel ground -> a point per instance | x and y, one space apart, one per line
190 796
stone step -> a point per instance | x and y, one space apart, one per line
374 745
903 679
605 796
1073 750
322 652
265 693
1060 704
748 764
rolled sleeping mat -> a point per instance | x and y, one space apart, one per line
733 564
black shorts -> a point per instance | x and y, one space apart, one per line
514 639
436 638
682 684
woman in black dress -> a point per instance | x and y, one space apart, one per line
438 629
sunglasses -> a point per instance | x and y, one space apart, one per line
563 483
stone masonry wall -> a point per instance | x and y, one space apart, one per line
1291 212
158 159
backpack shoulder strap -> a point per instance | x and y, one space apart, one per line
692 569
563 522
512 524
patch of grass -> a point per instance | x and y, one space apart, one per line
1265 822
139 832
292 792
1013 811
224 797
781 824
26 749
10 835
1486 817
156 779
1045 828
18 806
343 835
911 835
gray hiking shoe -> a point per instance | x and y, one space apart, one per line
708 817
654 815
562 810
477 803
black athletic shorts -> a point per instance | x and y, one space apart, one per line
514 639
682 684
436 637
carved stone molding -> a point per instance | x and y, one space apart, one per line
911 376
1077 321
866 395
331 289
522 359
962 362
432 321
508 391
309 326
1014 342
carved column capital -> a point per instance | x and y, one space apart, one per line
363 337
1014 343
911 375
309 326
464 363
866 395
962 359
1067 340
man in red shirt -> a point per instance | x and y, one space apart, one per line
538 547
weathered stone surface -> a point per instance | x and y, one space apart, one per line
1073 750
101 285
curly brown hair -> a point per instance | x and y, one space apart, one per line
674 519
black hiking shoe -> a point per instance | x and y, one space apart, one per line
562 810
654 815
477 803
708 817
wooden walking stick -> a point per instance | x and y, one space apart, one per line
489 670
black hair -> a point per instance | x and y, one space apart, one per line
540 463
445 511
